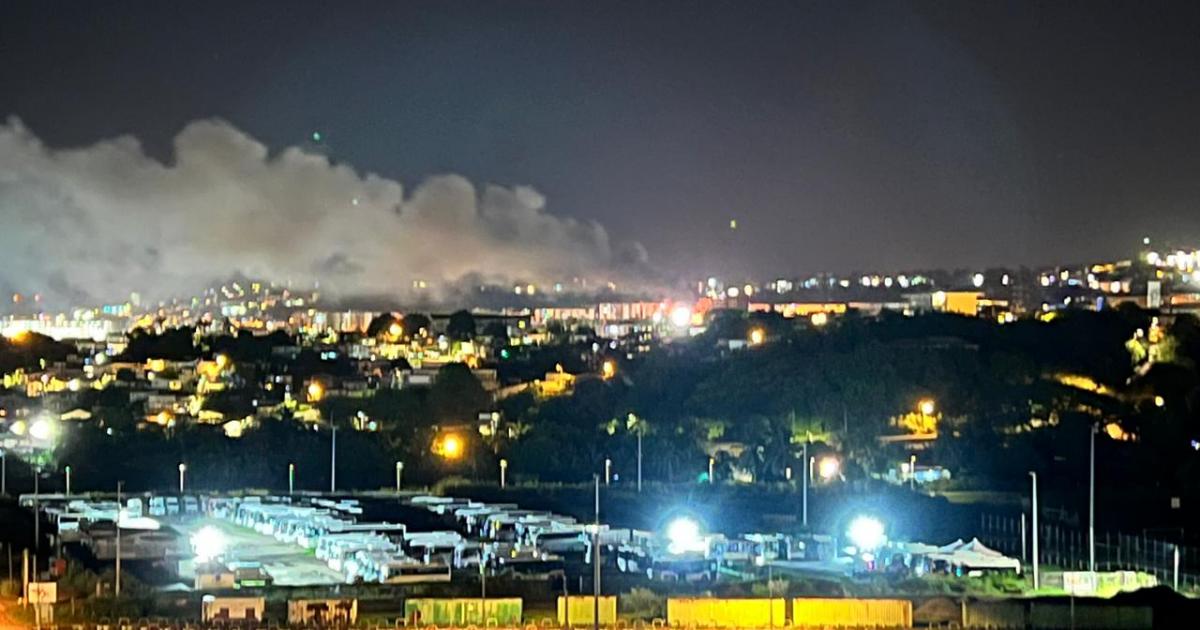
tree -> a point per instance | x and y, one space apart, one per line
381 324
456 395
414 322
461 326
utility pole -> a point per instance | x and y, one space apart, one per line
596 562
333 460
804 495
117 586
399 474
1036 582
1092 505
67 471
37 516
291 479
639 454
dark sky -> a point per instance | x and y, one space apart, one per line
840 135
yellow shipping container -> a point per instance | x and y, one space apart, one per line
714 612
582 609
870 613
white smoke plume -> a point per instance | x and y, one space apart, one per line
94 223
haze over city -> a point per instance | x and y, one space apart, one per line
513 314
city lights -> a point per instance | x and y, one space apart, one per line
927 407
866 533
828 467
450 447
315 391
681 316
42 429
683 536
208 543
608 369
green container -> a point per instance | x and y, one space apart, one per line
460 612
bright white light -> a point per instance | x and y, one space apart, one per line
977 280
208 543
827 468
866 533
683 535
41 429
681 316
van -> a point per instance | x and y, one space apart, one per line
158 507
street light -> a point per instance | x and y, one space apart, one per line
912 471
1033 476
291 479
503 471
399 474
67 472
607 471
452 447
927 407
828 467
608 369
757 336
182 471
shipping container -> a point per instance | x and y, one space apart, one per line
994 614
463 611
582 609
1045 616
859 613
322 612
714 612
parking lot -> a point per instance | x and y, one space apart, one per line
288 564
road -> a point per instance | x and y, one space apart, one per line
6 621
290 565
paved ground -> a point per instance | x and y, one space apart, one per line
288 564
6 621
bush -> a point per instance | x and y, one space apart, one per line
642 603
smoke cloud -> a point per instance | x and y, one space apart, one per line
81 225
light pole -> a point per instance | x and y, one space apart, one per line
1092 504
635 422
67 472
596 562
333 460
503 470
182 472
3 472
804 495
399 474
117 585
711 470
607 471
912 472
291 479
1036 582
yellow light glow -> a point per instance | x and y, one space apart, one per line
222 361
452 447
156 365
820 319
315 391
395 330
608 369
927 407
1159 401
757 336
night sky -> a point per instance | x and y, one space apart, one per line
841 135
